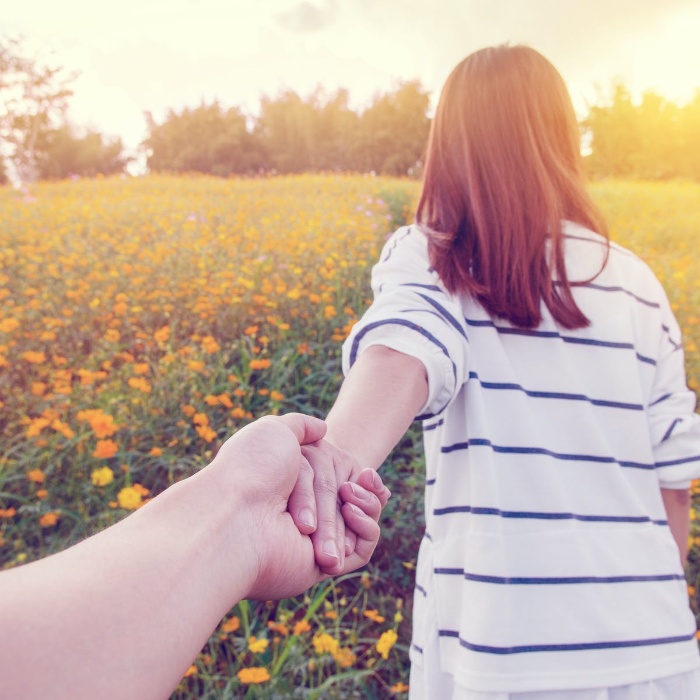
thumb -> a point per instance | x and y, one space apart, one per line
306 429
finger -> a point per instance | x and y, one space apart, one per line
362 498
367 536
350 540
302 501
307 429
370 480
329 537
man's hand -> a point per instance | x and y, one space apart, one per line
264 461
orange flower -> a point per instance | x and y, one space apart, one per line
105 449
33 357
231 625
191 671
205 432
8 512
141 384
398 688
37 476
254 674
374 616
48 519
102 424
162 334
42 493
259 364
155 452
301 627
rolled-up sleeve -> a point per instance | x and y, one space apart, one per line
412 314
674 425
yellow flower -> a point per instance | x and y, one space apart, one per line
386 642
105 449
257 646
102 476
255 674
129 498
325 644
191 671
112 335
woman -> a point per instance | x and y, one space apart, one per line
560 436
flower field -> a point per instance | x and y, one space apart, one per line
145 320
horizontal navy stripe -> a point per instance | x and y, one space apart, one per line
555 580
430 482
683 460
430 287
433 426
574 340
535 515
541 451
555 394
565 647
416 647
604 288
421 590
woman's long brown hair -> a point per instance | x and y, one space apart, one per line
503 170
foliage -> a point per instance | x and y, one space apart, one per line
208 139
33 98
61 154
654 139
145 320
294 134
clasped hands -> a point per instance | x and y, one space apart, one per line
313 511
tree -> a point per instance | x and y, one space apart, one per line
33 98
206 139
394 130
60 153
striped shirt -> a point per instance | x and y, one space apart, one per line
547 561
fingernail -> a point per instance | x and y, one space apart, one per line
359 492
376 481
358 511
330 548
306 517
348 547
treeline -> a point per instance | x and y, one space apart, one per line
653 139
293 134
649 139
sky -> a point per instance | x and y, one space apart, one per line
153 55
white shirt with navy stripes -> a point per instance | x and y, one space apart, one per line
547 561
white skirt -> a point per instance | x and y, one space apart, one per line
683 686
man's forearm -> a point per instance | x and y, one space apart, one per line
134 603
